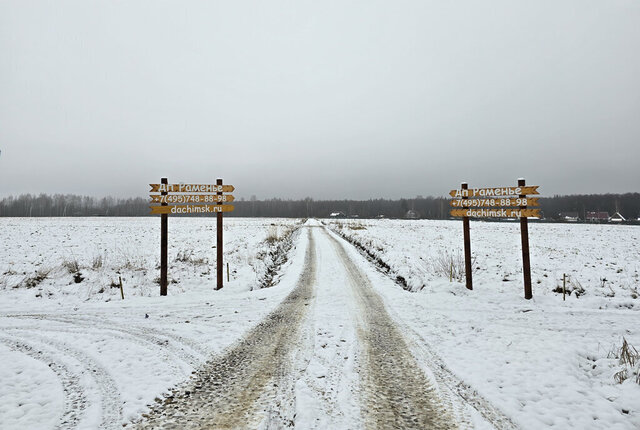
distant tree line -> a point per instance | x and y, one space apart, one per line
60 205
628 205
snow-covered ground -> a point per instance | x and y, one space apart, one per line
79 351
76 350
546 362
104 249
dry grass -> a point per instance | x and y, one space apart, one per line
72 265
357 226
573 286
451 265
130 262
188 256
272 234
627 356
97 262
35 279
279 242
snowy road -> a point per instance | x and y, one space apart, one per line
329 356
335 343
396 393
322 349
251 382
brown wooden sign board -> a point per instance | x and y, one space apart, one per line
201 194
493 203
495 192
190 209
496 213
191 188
498 202
192 198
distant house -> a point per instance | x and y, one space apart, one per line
597 216
617 217
569 216
411 214
337 215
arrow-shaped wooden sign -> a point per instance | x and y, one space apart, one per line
192 198
496 213
495 192
190 209
191 188
497 202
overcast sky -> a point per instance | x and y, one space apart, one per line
328 99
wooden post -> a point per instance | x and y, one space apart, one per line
219 242
164 231
227 272
524 233
564 286
121 289
467 243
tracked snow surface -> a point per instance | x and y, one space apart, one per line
335 342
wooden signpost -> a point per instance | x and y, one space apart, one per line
189 199
494 192
487 203
467 243
495 213
192 198
190 209
191 188
502 202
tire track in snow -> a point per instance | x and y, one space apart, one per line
470 396
168 359
110 402
327 391
396 392
250 384
166 348
75 401
454 386
194 355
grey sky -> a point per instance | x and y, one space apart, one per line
329 99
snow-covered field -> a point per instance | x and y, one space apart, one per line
101 250
76 350
545 361
79 350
